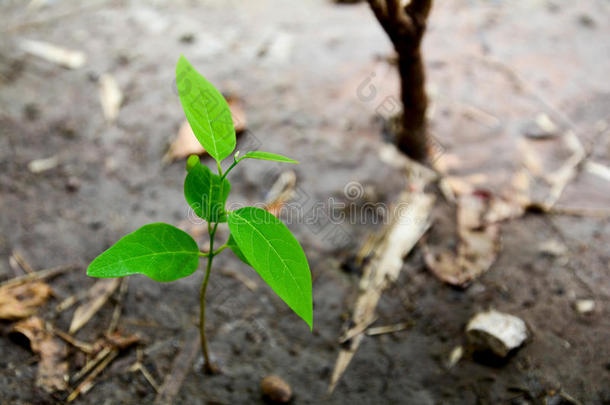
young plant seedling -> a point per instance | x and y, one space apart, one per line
166 253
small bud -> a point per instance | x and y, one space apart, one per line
236 155
191 162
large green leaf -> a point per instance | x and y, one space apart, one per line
160 251
267 156
206 193
233 246
270 248
206 111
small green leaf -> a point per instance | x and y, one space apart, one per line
206 110
160 251
267 156
276 255
206 193
233 246
191 162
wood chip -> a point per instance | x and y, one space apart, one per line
111 97
97 297
380 330
42 165
67 58
21 301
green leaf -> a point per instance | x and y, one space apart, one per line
267 156
191 162
160 251
276 255
206 193
233 246
206 110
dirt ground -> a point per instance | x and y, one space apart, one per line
315 79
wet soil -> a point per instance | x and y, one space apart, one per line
316 82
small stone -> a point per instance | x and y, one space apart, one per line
42 165
187 38
496 331
552 247
73 184
455 356
276 390
584 306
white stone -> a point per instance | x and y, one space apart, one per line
497 331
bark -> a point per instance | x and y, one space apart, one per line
406 25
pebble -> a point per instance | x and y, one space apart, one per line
584 306
276 390
496 331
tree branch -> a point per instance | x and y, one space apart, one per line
419 10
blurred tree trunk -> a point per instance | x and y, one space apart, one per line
405 25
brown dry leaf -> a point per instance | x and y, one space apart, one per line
21 301
186 144
479 240
97 297
53 368
32 329
281 192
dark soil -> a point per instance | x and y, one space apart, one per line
301 69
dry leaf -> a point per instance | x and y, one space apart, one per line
21 301
32 329
97 297
281 192
54 54
479 241
53 368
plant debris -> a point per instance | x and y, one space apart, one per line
52 373
67 58
23 300
111 97
479 240
405 229
97 297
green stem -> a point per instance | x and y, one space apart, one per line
235 162
220 249
209 368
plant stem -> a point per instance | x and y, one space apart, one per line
209 368
235 162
